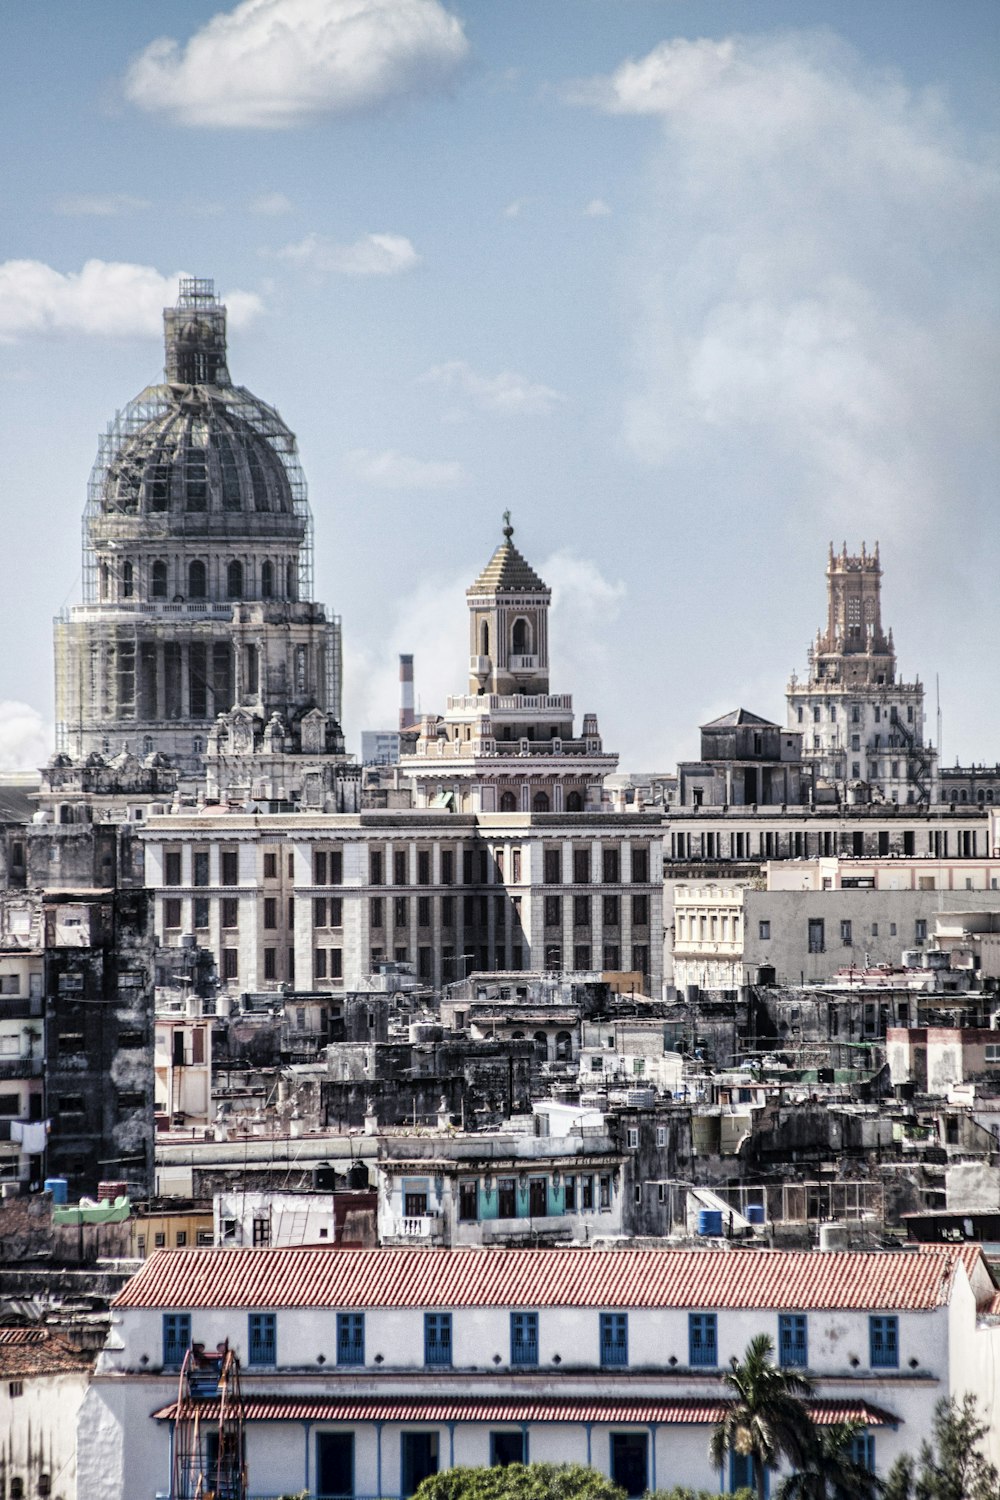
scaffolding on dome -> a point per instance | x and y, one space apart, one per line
209 1451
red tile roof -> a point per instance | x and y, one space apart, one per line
395 1409
327 1277
29 1352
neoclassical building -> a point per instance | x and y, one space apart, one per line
197 569
862 730
508 745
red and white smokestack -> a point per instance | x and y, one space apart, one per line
405 691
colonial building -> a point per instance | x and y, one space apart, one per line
745 761
364 1371
197 568
863 731
508 745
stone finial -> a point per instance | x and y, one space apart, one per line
508 529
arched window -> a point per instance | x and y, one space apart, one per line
198 745
147 745
484 638
128 580
290 590
541 1042
104 580
197 580
508 802
234 580
564 1046
520 638
301 668
574 802
158 580
267 580
540 802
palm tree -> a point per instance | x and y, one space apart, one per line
767 1419
831 1472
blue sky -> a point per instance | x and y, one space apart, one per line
692 288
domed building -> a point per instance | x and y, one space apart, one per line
197 569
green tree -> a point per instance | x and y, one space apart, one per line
520 1482
952 1466
767 1419
681 1492
830 1472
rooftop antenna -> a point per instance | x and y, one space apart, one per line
937 690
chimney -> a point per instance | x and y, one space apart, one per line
405 691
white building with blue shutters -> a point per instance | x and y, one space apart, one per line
364 1371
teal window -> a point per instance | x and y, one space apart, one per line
883 1334
524 1338
702 1345
862 1451
350 1338
792 1347
262 1343
437 1338
176 1337
614 1338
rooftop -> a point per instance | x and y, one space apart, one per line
914 1280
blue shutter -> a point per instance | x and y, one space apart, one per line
437 1338
176 1337
524 1338
350 1338
884 1338
701 1339
614 1338
262 1339
792 1340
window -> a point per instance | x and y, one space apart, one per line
524 1338
15 1388
158 580
423 911
702 1348
508 1447
197 580
614 1339
270 963
172 867
552 866
377 918
230 963
437 1338
630 1461
883 1335
423 867
845 934
605 1192
861 1451
262 1337
468 1202
262 1230
817 940
764 931
230 867
581 866
792 1346
234 580
176 1338
581 911
270 912
609 865
399 874
569 1195
350 1338
640 911
553 911
632 1137
230 910
611 910
920 930
507 1198
375 868
171 915
640 864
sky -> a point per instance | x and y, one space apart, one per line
691 287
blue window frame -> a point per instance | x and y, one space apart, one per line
262 1339
862 1451
437 1338
741 1474
883 1335
350 1338
524 1338
614 1338
793 1347
176 1337
702 1344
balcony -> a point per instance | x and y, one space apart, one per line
20 1007
419 1227
20 1067
523 663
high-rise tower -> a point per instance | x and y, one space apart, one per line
862 730
197 566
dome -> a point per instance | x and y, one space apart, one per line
196 456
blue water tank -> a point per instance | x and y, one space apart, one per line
59 1188
710 1221
755 1213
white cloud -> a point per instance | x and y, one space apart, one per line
25 738
106 298
508 393
515 209
812 280
371 255
398 471
597 209
277 63
101 205
270 205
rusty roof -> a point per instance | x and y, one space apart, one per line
29 1352
674 1412
892 1280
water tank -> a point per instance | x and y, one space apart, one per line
640 1098
937 958
755 1213
913 958
710 1221
59 1188
833 1237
